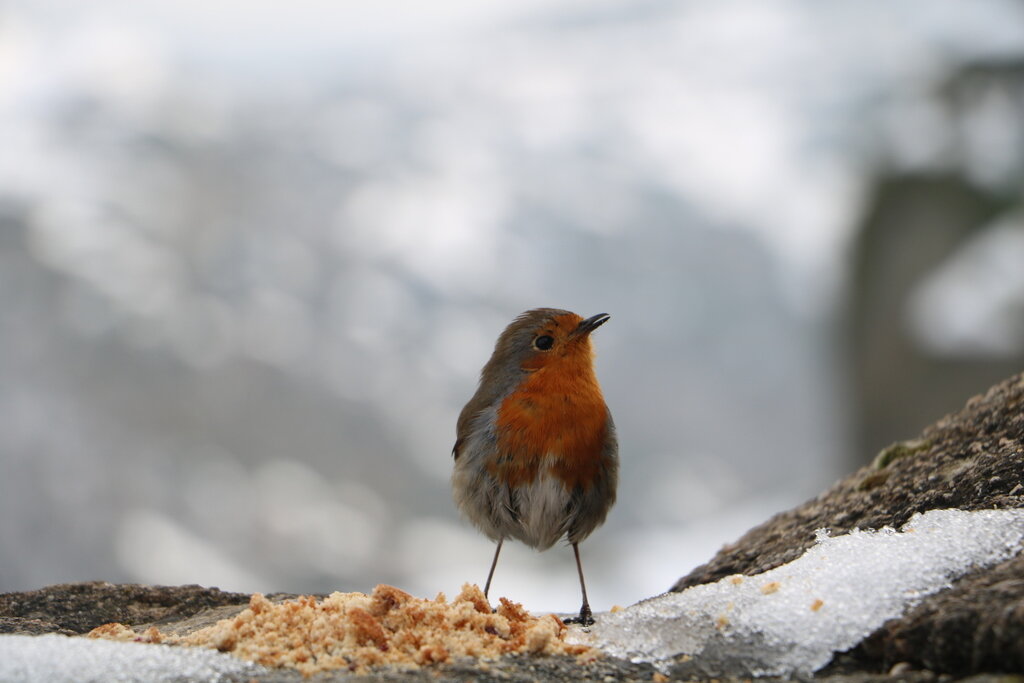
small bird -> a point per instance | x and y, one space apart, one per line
536 458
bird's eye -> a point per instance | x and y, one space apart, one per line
544 342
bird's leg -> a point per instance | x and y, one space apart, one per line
586 618
494 563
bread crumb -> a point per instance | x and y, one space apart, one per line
736 580
120 632
542 632
616 608
113 631
817 605
659 677
770 587
356 632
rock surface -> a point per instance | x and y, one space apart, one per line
77 608
971 460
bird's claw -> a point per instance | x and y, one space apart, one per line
584 619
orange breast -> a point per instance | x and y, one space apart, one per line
557 411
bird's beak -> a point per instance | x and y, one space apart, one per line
590 324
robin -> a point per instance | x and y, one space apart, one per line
536 457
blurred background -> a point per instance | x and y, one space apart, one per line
254 254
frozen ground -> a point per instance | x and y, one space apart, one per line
793 618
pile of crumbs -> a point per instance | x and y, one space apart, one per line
355 631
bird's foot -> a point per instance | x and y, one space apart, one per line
586 618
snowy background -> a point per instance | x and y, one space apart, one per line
252 259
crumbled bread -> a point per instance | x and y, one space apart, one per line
355 631
116 631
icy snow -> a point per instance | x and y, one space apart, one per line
793 618
59 659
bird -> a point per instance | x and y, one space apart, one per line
536 452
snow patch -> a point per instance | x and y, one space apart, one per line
62 659
793 618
